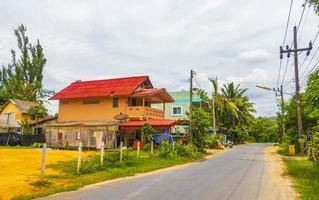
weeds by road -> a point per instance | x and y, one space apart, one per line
305 174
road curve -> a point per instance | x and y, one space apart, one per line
244 172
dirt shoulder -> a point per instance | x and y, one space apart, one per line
282 183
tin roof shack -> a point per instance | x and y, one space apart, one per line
87 110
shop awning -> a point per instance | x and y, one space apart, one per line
158 124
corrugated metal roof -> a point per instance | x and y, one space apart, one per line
99 88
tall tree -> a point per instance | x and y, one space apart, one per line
233 110
22 77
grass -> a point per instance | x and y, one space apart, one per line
92 171
283 150
306 177
17 147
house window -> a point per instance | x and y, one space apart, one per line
177 110
60 136
91 102
115 102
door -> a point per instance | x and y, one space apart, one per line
98 139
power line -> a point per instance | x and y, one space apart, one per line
315 67
287 63
303 11
288 20
238 81
314 41
300 20
304 24
285 36
309 63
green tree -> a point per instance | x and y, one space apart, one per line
37 112
147 132
22 77
264 129
233 110
201 123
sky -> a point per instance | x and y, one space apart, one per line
231 40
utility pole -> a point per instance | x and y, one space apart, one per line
213 109
295 50
191 105
282 111
281 94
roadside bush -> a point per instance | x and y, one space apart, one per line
165 150
37 145
313 149
147 147
185 150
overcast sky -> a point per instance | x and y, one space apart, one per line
233 40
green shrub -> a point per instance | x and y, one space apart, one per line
147 147
185 150
37 145
166 150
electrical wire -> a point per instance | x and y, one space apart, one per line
285 36
309 63
304 24
313 69
287 63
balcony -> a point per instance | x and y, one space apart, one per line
144 111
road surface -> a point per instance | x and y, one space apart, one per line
244 172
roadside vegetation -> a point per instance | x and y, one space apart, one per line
306 177
234 118
92 171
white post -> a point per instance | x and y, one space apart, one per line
79 158
138 149
121 151
173 145
43 161
152 146
102 153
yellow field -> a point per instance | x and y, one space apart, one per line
20 167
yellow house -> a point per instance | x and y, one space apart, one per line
87 111
13 113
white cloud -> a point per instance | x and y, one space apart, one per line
254 56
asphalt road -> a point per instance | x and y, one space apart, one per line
240 173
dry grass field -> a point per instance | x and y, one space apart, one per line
19 167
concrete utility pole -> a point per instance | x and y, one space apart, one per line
213 109
281 94
282 111
295 50
191 105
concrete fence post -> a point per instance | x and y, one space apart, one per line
79 158
43 161
121 151
102 153
152 147
138 149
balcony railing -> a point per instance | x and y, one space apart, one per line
145 111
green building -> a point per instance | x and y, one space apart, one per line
180 107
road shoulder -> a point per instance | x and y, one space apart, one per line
282 183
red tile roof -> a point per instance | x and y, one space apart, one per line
100 88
